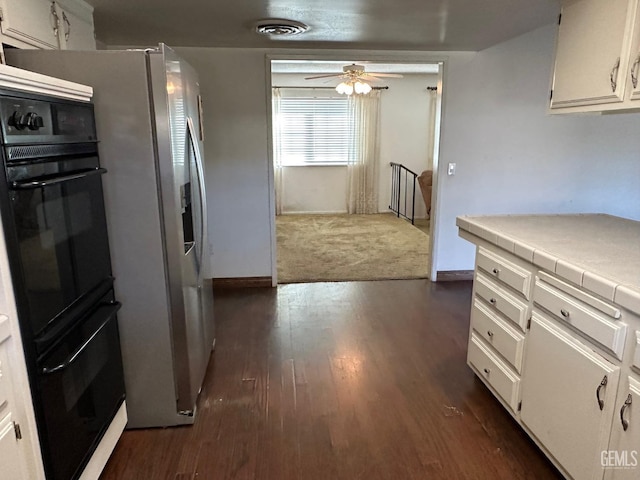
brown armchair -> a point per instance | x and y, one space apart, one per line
425 180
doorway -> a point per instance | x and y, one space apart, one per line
312 198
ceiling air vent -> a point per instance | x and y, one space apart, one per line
279 27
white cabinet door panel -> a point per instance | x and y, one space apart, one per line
594 36
10 466
562 381
76 25
634 61
29 21
623 456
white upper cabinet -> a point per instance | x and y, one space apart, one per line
46 24
76 25
634 61
597 48
29 23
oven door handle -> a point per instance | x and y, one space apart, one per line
113 308
56 180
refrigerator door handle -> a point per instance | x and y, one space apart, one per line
203 198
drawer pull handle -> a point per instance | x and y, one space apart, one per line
496 271
487 371
625 422
565 313
492 301
603 383
490 333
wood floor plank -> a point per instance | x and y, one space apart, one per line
360 380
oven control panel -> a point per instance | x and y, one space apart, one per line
56 121
26 117
30 120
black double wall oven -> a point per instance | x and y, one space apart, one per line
53 216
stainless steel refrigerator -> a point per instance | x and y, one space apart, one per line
148 117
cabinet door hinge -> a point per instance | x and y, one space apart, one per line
551 95
559 19
18 432
519 406
529 324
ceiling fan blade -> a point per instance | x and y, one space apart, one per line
369 78
324 76
386 75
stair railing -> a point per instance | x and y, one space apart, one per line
403 191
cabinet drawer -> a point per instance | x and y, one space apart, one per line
507 341
591 322
516 277
501 300
505 382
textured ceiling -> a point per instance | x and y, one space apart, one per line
367 24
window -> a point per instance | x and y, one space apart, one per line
314 130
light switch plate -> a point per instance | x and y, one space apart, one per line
451 170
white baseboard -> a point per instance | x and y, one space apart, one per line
99 459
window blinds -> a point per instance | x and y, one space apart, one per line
315 130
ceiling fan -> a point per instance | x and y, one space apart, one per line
356 72
355 78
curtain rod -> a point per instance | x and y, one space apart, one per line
328 88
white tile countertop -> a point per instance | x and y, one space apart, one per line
600 253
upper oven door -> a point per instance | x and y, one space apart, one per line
59 221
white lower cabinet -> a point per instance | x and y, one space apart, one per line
13 464
10 453
568 398
622 458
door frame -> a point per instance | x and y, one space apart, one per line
408 58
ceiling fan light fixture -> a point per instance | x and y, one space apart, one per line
351 86
280 27
345 88
361 87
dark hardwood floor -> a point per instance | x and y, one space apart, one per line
363 380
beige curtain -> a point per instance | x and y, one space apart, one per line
362 175
277 150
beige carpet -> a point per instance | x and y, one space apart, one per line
328 248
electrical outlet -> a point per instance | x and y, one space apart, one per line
452 169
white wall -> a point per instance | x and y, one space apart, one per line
404 128
512 157
320 189
232 84
404 123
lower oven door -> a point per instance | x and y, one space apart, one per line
80 388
